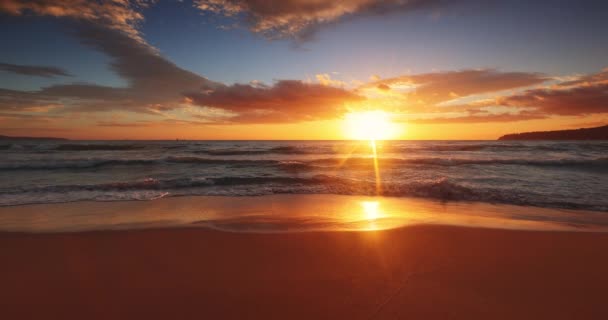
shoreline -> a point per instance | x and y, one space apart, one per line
420 272
290 213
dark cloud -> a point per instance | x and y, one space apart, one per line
14 100
39 71
153 81
285 101
300 18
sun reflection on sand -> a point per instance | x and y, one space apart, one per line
371 209
289 213
371 213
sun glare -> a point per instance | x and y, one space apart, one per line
370 125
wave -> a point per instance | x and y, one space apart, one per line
96 163
190 159
74 164
309 149
352 163
389 148
441 189
355 163
274 150
409 148
97 147
498 147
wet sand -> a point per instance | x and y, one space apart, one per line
290 213
416 272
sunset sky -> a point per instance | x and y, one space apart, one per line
295 69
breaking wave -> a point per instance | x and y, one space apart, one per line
440 189
315 164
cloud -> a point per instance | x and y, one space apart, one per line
578 96
299 18
39 71
481 117
153 81
285 101
156 85
326 80
586 95
122 15
586 80
149 124
383 86
159 87
430 89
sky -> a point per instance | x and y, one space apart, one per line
296 69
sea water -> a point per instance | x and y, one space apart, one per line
572 175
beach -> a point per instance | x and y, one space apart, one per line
418 271
303 159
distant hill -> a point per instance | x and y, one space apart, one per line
31 138
598 133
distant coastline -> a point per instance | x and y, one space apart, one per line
597 133
32 138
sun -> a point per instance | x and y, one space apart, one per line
369 125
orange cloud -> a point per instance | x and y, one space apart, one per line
433 88
579 100
326 80
285 101
584 95
481 117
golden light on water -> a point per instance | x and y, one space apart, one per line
372 126
376 167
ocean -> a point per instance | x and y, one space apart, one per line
571 175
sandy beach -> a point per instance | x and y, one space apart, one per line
417 272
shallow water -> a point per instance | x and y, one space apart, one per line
571 175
